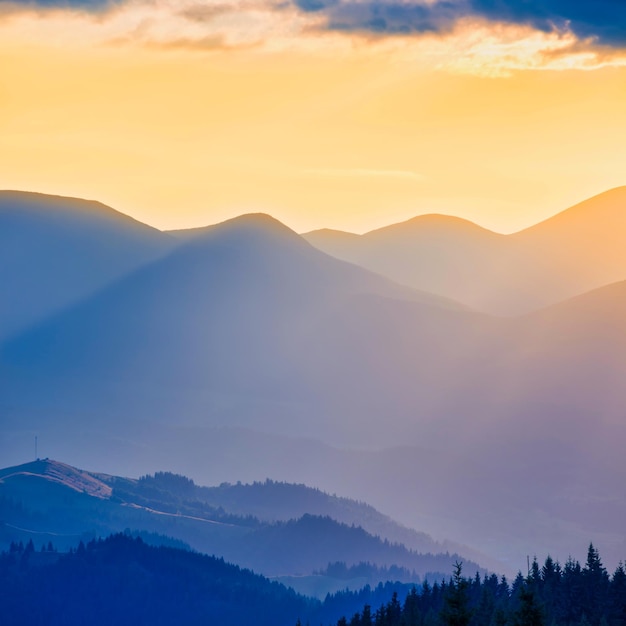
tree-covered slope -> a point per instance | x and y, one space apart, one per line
122 580
50 501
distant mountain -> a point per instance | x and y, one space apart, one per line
236 324
281 501
245 353
585 243
578 250
55 251
51 501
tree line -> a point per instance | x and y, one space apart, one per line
550 595
122 580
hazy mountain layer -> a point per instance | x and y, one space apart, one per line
54 251
575 251
504 433
50 501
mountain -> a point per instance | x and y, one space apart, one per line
573 252
235 325
245 353
50 501
281 501
55 251
585 243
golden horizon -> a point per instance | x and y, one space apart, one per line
181 117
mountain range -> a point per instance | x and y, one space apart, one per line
240 352
309 530
575 251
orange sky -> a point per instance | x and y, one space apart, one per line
182 124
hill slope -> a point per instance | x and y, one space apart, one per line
124 581
580 249
46 500
247 353
235 325
54 251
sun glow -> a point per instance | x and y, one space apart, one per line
182 113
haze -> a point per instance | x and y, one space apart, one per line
240 352
375 247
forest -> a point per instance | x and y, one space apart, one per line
122 580
550 595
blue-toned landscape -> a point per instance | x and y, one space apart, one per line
312 312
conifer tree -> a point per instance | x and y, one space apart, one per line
411 613
596 586
529 612
617 596
456 610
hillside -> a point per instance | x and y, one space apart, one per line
50 501
246 354
55 251
237 325
578 250
109 582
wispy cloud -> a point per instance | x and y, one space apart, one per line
94 6
480 36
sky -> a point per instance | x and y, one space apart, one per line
348 114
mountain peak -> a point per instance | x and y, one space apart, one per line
430 222
598 212
250 232
258 222
60 473
329 232
41 205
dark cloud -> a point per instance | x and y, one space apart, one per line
602 20
316 5
393 17
77 5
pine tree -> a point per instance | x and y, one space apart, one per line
366 616
549 587
596 586
617 596
456 610
390 615
411 614
529 612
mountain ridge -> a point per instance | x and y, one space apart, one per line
285 343
56 251
46 498
571 252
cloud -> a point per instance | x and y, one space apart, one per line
602 20
486 37
383 17
95 6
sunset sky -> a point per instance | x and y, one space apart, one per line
348 114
